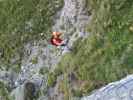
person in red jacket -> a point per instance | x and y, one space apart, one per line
56 40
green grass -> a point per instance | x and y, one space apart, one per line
4 93
107 54
22 21
51 79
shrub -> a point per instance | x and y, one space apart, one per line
4 93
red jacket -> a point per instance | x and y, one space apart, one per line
56 41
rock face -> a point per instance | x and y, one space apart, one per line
8 77
36 57
120 90
18 93
72 19
24 92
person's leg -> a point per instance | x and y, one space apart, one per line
65 42
65 47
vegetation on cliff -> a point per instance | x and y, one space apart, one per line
107 54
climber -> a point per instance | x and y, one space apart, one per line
56 40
